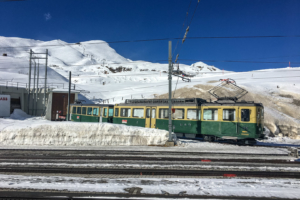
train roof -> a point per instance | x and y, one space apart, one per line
240 103
94 105
186 102
160 102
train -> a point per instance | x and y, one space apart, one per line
239 121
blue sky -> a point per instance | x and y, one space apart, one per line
114 20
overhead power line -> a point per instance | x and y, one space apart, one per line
163 39
187 13
241 61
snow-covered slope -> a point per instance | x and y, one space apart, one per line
99 69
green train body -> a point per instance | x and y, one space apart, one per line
191 118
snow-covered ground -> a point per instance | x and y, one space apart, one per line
250 187
20 129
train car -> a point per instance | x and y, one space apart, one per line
191 117
92 113
223 119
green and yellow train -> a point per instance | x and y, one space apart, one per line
194 117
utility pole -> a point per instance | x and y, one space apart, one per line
69 97
33 91
170 142
29 81
37 87
45 81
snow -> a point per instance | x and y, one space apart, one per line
279 141
250 187
19 114
39 132
92 64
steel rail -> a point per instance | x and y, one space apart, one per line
131 158
131 152
210 173
65 195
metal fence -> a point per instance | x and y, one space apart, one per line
49 85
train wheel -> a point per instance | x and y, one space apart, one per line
208 138
211 139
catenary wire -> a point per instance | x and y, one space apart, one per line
162 39
186 16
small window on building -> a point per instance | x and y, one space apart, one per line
116 112
153 113
125 112
90 110
138 112
74 110
83 111
105 112
110 112
178 114
164 113
229 114
95 111
245 115
193 114
148 113
210 114
78 110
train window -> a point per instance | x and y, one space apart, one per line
110 112
178 114
89 111
74 110
78 110
164 113
148 113
153 113
245 115
138 112
105 112
83 111
116 112
193 114
229 114
125 112
210 114
95 111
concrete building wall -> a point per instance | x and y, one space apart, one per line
15 92
36 101
36 107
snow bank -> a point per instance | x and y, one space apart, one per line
81 134
19 114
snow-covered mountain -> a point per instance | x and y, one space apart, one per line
99 69
95 67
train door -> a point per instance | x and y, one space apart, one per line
110 115
100 118
148 117
245 114
153 117
229 124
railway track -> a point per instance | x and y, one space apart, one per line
44 195
141 172
139 158
11 152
